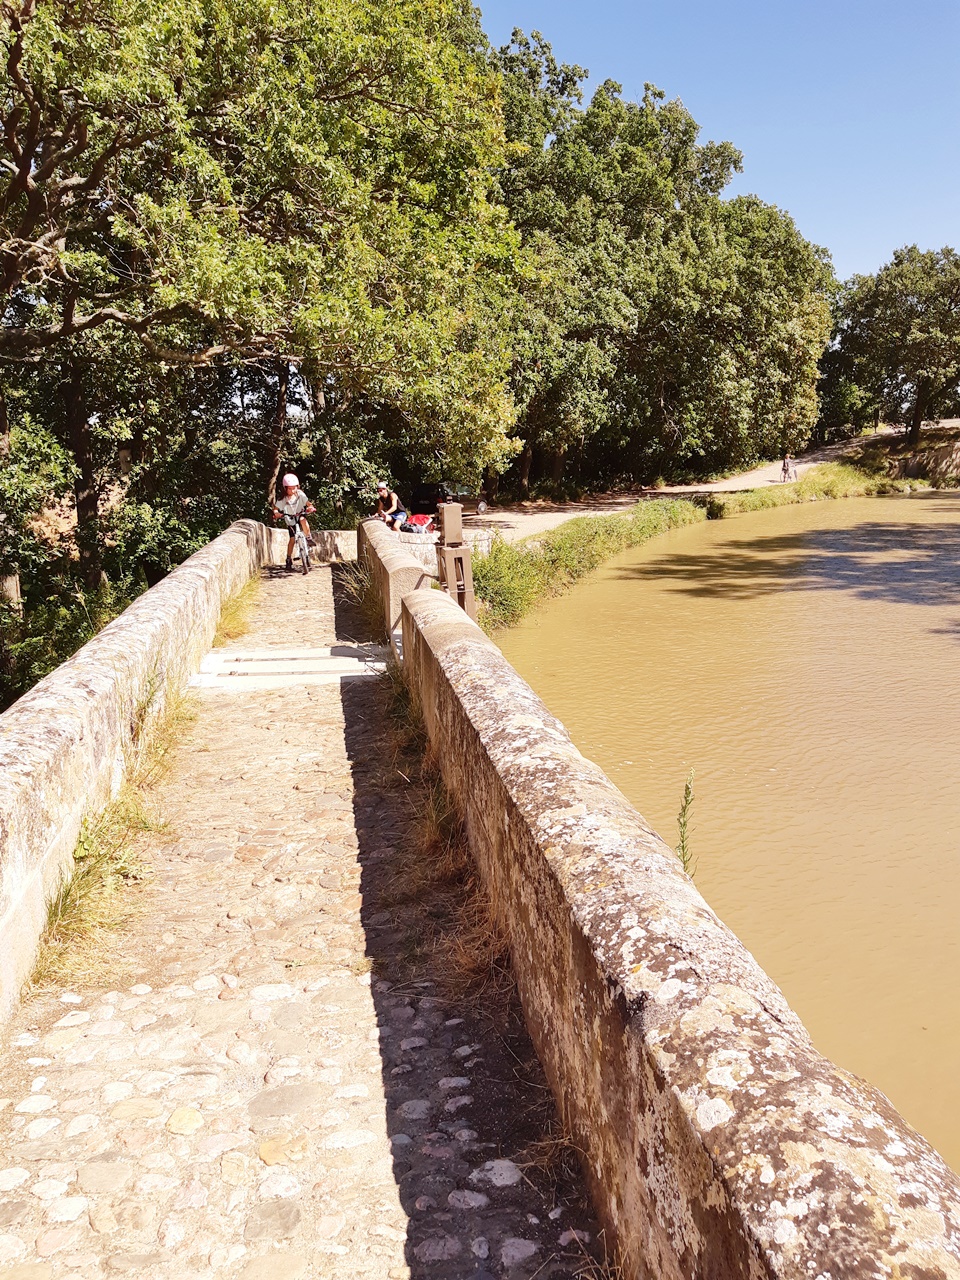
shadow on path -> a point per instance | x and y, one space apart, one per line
489 1188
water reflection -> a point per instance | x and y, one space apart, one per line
904 562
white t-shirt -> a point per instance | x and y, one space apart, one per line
294 505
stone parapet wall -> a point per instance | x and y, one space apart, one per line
333 544
67 745
394 568
718 1143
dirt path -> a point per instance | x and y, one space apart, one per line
521 520
275 1082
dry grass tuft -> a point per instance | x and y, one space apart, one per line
409 732
473 957
235 614
460 940
610 1268
94 902
554 1157
91 903
179 712
360 588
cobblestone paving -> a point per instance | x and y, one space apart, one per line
257 1097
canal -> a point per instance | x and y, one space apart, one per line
805 661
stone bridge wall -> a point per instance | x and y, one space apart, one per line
718 1143
401 562
67 744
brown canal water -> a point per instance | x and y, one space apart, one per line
806 662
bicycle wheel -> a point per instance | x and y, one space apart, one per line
304 553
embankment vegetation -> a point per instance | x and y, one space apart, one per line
80 941
829 480
513 576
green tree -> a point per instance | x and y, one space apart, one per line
662 328
898 335
266 179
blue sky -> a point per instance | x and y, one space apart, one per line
848 113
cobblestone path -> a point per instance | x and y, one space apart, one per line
264 1091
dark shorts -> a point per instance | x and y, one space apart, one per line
397 517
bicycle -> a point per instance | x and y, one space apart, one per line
300 538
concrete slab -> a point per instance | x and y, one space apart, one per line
242 670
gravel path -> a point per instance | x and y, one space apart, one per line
523 519
275 1084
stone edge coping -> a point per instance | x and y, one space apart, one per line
396 570
746 1145
67 744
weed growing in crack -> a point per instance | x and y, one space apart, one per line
683 827
359 586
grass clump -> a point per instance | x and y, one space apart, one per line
829 480
359 586
235 614
461 942
93 902
512 577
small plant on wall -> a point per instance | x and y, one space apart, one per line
683 827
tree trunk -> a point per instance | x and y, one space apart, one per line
526 457
876 420
275 439
332 465
916 422
9 582
492 485
85 485
557 465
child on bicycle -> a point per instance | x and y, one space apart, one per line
296 505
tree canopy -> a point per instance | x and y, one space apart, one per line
664 329
351 238
896 342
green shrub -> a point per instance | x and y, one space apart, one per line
508 582
513 576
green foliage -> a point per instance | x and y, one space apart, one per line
896 343
307 181
35 475
48 631
661 330
508 581
352 240
512 577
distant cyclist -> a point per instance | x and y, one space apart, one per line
389 507
296 505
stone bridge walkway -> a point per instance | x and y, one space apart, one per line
261 1090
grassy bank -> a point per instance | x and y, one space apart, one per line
512 577
830 480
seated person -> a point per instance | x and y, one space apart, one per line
389 507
